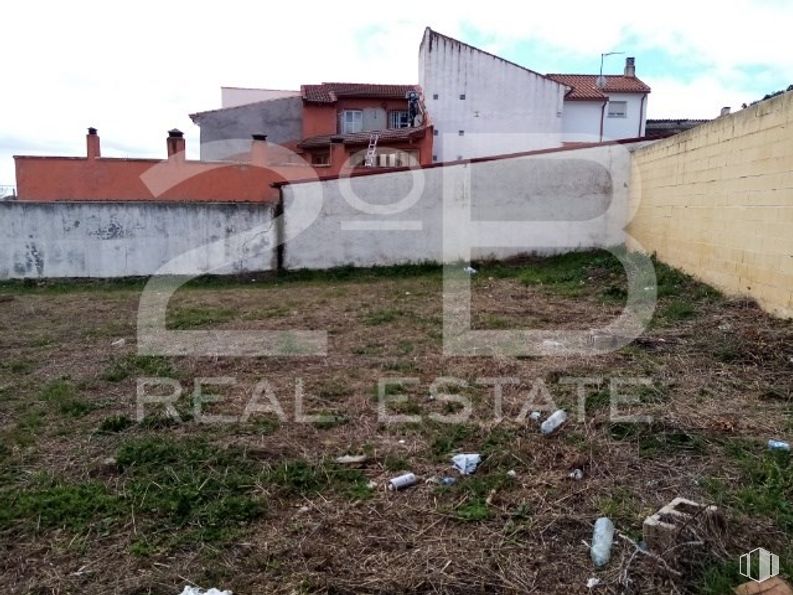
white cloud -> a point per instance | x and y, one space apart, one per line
134 72
701 98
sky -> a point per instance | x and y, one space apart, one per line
135 70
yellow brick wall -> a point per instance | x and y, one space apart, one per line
717 202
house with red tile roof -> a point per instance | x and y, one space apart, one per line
482 104
604 108
368 125
328 125
469 103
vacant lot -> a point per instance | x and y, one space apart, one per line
94 500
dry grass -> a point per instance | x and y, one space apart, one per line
261 507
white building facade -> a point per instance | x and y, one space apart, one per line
482 105
611 108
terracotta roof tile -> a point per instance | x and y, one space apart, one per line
362 138
331 92
584 86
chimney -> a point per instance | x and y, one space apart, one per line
259 149
175 143
725 111
630 66
92 144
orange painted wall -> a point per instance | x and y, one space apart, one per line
323 119
318 119
77 178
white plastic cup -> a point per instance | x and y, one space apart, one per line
402 482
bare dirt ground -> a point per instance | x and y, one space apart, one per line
94 500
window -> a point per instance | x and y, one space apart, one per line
351 121
398 120
435 132
618 109
461 132
320 159
388 158
462 96
435 96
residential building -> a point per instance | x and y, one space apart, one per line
328 125
468 104
327 129
344 118
94 177
601 109
481 104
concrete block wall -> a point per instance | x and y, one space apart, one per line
717 202
104 240
543 202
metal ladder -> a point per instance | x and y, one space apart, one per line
371 150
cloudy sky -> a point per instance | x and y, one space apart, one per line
135 70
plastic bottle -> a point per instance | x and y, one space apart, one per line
553 422
778 445
602 540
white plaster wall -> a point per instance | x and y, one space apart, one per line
234 96
103 240
628 127
582 121
543 203
523 108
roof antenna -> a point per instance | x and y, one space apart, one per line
601 80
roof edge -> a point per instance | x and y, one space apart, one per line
432 31
623 141
197 115
334 98
603 92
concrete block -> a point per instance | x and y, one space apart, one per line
666 528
